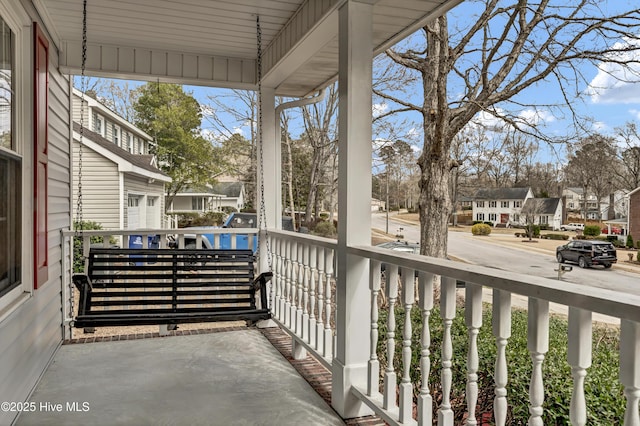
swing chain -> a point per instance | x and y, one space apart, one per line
262 221
83 88
79 225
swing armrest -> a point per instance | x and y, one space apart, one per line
82 281
261 280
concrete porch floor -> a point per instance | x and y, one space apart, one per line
221 378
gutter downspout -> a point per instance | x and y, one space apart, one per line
292 104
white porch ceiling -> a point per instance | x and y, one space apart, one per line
213 43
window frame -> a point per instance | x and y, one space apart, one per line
22 109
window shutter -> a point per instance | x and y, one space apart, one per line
41 160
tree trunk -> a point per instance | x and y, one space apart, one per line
292 206
435 165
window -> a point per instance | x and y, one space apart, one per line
492 204
493 217
480 217
197 204
10 170
517 204
516 218
98 124
544 220
151 201
129 142
479 203
504 204
133 201
115 134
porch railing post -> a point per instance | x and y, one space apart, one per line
353 313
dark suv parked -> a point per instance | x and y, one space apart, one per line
587 253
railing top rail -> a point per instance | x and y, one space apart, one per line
180 231
604 301
305 238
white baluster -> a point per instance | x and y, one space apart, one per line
473 320
425 401
304 283
287 295
328 333
279 277
538 345
391 290
448 313
373 381
321 290
579 358
300 289
406 387
501 331
630 369
313 271
272 299
282 277
295 283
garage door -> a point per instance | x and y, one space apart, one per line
133 212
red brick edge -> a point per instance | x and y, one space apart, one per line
136 336
313 372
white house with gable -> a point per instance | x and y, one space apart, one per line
499 205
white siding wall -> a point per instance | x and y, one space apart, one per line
100 189
32 332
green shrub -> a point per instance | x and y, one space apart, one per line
556 236
85 225
201 219
629 241
475 222
481 229
324 229
489 223
638 244
603 392
591 230
638 256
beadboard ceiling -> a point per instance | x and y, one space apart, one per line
299 38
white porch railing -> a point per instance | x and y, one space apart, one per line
302 299
395 402
303 291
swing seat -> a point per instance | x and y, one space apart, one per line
169 286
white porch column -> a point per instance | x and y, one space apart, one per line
354 211
269 171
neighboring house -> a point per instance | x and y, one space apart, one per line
575 200
122 187
542 211
207 198
500 205
195 200
233 194
633 215
377 205
620 205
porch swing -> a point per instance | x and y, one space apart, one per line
166 286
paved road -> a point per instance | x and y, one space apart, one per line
463 246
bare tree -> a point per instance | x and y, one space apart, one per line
592 166
321 133
503 51
629 154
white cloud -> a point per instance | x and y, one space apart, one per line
635 113
599 126
533 116
379 109
615 83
